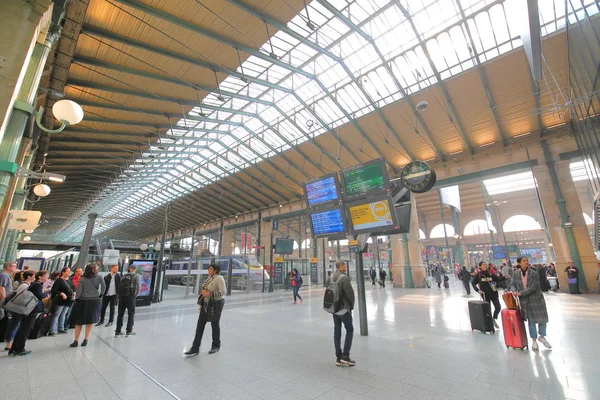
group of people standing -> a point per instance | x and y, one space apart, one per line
71 299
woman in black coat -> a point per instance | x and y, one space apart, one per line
488 286
62 298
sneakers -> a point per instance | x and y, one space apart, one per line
347 361
496 324
192 352
213 350
22 353
301 301
293 302
127 334
544 342
338 362
534 346
117 334
62 332
52 334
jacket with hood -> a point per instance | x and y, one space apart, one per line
346 290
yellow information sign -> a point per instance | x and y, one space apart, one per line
278 259
371 215
314 260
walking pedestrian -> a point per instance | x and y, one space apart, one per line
296 284
465 277
526 285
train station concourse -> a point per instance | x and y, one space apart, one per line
426 171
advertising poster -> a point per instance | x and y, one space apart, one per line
371 215
278 276
314 272
144 267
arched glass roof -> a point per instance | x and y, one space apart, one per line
357 57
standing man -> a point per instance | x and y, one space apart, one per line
373 275
343 316
572 278
112 281
129 288
5 290
465 277
382 276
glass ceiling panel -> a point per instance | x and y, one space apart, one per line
493 24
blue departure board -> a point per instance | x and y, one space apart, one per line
322 191
329 222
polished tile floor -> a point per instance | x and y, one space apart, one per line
420 346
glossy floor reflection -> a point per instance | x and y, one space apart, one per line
420 346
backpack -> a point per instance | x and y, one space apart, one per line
300 280
126 287
332 300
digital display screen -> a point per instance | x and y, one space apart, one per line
328 222
364 179
321 191
371 216
284 246
145 268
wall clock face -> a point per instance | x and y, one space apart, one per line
418 177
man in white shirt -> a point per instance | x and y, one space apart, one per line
112 281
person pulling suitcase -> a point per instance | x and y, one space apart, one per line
485 283
526 285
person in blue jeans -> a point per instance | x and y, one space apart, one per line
526 285
343 316
62 298
296 284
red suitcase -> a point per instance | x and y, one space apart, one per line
515 335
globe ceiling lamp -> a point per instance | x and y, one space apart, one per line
143 247
41 190
66 111
26 238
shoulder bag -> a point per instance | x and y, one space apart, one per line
23 303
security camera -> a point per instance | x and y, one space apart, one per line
422 105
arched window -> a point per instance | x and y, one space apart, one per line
478 227
422 235
518 223
588 219
438 231
306 243
295 245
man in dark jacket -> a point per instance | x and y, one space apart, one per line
465 277
373 275
382 276
112 281
344 315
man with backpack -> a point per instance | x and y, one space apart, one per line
339 301
129 288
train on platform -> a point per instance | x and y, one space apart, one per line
245 270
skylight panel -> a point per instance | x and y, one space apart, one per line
510 183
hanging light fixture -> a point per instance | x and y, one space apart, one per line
66 111
26 238
143 247
41 190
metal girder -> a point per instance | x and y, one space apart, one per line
454 114
168 127
95 31
79 129
166 116
368 38
482 75
79 59
183 102
59 140
214 36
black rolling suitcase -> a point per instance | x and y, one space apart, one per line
480 313
41 327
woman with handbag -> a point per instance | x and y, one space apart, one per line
86 310
488 286
62 298
211 303
28 321
22 280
